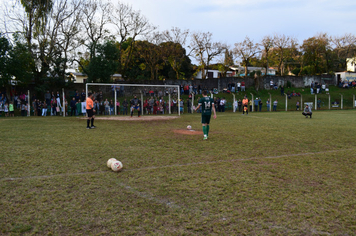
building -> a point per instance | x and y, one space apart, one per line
240 70
345 76
212 74
351 64
80 78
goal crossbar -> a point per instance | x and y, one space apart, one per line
138 85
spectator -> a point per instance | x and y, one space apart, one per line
297 106
78 108
271 84
112 107
243 86
23 109
44 108
73 106
107 107
222 104
238 86
256 103
118 107
319 103
275 103
307 112
239 105
260 103
268 104
82 95
47 97
282 90
124 105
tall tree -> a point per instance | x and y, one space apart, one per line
205 50
173 49
282 43
344 47
267 44
246 50
129 25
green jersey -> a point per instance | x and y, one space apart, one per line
207 104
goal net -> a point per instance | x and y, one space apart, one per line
147 99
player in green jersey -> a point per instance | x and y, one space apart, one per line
207 105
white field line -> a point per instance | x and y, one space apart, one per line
176 165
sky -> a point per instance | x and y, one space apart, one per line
230 21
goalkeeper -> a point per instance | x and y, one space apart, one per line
135 104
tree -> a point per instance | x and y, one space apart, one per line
129 25
246 50
267 44
344 47
152 56
5 47
104 63
282 43
228 61
315 53
204 50
173 49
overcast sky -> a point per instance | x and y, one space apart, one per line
230 21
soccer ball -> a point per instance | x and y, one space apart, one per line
189 127
110 161
116 165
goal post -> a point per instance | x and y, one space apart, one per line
140 91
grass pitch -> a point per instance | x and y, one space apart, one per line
262 174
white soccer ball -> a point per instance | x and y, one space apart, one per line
110 161
116 165
189 127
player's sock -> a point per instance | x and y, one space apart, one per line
131 113
92 121
204 130
138 113
207 130
88 121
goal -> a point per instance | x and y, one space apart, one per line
155 99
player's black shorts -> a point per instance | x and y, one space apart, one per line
205 119
90 113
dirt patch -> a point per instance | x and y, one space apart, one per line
188 132
135 118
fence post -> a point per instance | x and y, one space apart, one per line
192 104
270 102
329 102
233 103
316 100
252 102
342 101
64 103
286 101
29 103
141 105
301 102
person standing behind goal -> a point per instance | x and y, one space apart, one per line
90 111
207 105
135 104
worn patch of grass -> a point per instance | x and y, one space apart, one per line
261 174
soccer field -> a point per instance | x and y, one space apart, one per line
268 173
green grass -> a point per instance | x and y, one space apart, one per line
263 174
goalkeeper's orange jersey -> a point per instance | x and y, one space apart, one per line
89 103
245 102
